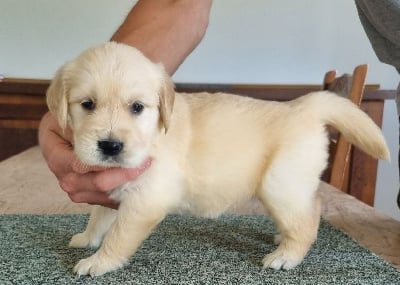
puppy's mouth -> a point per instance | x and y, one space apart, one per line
111 161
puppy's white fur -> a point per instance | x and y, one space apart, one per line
210 152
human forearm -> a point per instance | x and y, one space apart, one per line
175 29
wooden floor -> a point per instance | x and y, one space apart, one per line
27 186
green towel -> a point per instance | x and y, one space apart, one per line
184 250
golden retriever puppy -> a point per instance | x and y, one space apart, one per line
209 151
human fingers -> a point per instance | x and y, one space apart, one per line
93 198
101 181
57 149
99 185
55 146
82 168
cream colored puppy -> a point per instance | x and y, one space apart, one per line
209 151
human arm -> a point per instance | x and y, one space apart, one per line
165 31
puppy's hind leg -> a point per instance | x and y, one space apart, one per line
100 221
289 192
297 219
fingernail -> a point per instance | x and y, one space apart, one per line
146 164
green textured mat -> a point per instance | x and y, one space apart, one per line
184 250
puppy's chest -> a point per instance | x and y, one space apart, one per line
129 188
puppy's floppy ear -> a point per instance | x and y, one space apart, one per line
166 99
56 97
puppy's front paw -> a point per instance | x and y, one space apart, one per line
280 259
277 239
82 240
96 266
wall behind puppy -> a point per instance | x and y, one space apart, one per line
258 41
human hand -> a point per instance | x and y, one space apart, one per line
82 183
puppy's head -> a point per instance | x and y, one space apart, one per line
115 101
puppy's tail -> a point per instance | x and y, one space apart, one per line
356 126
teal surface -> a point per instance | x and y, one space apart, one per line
184 250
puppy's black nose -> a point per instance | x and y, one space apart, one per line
110 147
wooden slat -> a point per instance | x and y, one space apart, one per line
364 167
262 91
19 124
277 92
24 86
10 98
22 112
351 86
22 138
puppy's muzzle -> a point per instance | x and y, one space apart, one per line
110 147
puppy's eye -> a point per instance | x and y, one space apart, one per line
137 108
88 105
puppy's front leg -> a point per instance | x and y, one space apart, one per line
100 221
134 222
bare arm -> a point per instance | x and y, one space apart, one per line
166 31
